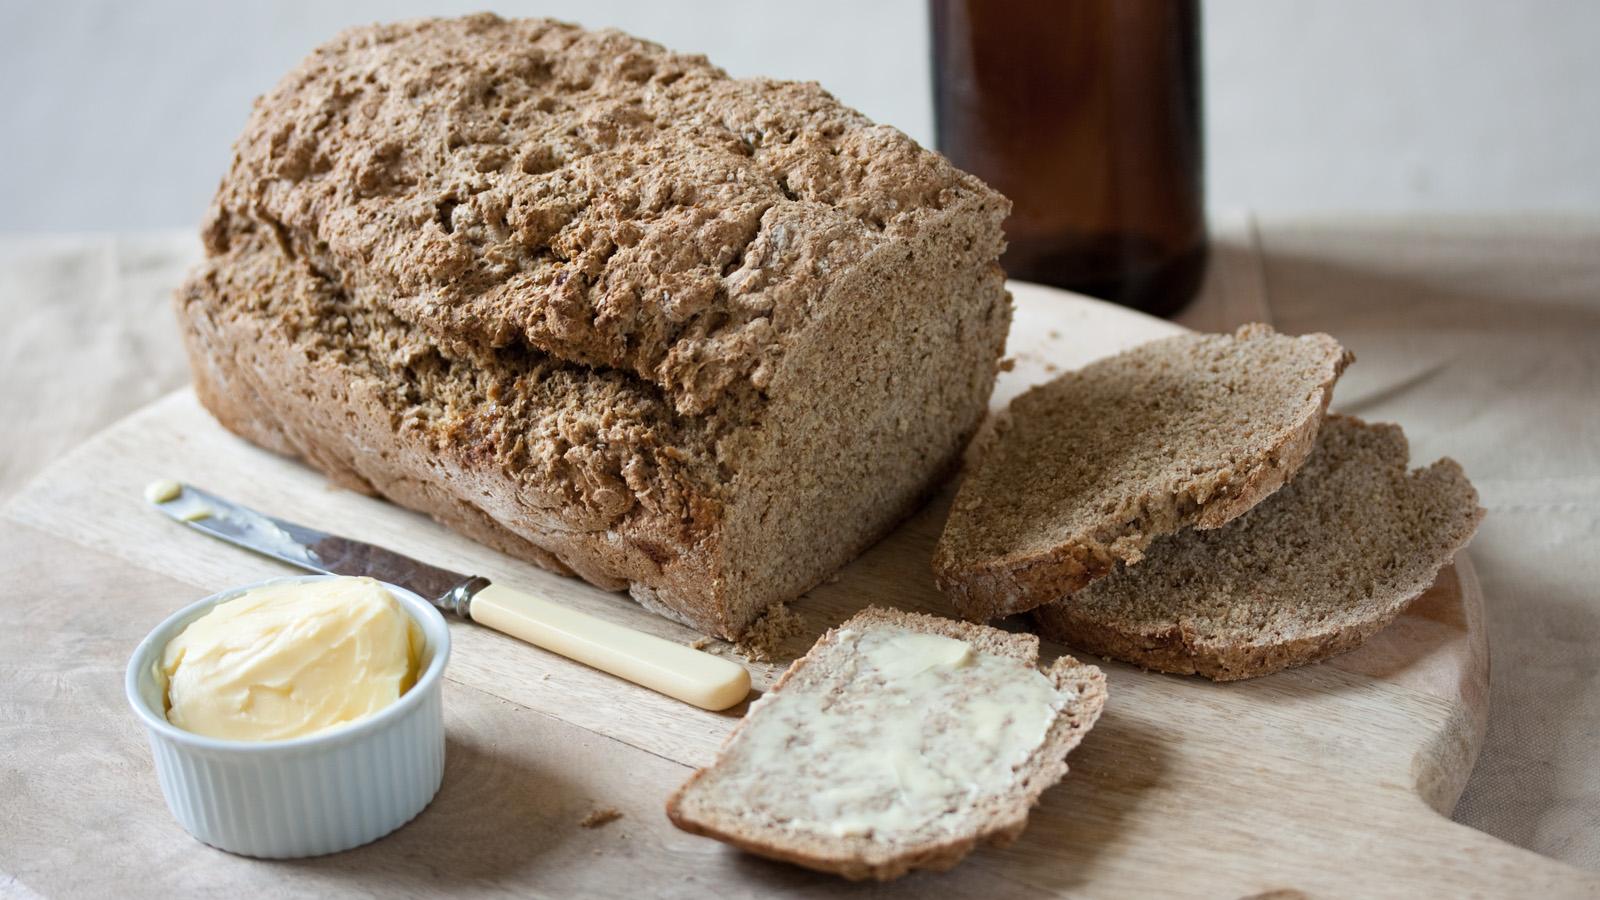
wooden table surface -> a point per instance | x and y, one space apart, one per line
513 792
1185 784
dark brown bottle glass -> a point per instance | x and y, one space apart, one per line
1086 113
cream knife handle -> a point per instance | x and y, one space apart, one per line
680 672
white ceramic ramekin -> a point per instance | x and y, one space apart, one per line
306 796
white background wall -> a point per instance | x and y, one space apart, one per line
117 114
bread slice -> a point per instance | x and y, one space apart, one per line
1312 572
1084 472
891 746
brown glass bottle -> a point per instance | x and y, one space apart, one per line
1086 113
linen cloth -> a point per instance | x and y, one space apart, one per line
1480 335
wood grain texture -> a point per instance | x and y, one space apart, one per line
1324 779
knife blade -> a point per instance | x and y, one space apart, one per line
684 673
317 551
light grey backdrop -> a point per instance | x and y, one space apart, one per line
118 114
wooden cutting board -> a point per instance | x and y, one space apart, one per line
1327 780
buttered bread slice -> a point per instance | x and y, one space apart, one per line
899 742
1080 474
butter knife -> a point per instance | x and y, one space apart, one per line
681 672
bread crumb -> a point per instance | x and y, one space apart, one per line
762 642
597 818
700 643
1007 364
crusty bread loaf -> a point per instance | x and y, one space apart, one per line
599 305
1084 472
1313 571
785 786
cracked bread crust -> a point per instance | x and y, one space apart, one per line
588 194
560 391
282 357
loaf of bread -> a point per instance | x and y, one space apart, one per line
1080 474
599 305
1313 571
900 742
